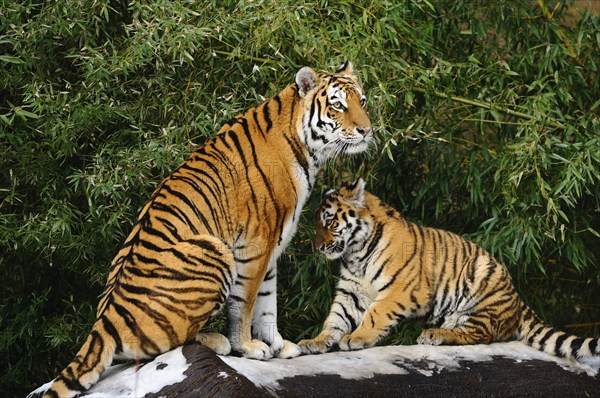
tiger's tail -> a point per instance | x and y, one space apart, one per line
534 332
94 356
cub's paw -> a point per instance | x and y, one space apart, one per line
318 345
430 337
351 343
312 346
255 349
215 341
289 350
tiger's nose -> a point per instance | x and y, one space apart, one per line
364 131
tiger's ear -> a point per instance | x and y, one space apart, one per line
356 193
306 80
346 69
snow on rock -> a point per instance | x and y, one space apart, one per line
364 364
131 380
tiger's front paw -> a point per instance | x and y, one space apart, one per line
255 349
351 343
289 350
430 337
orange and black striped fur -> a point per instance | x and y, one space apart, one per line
213 230
392 269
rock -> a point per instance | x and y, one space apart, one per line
501 369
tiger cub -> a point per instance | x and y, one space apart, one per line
392 269
213 230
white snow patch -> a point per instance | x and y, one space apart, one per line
41 389
223 375
131 380
127 380
362 364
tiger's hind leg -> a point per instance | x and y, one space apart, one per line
454 336
478 329
190 282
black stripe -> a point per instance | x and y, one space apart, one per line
353 297
158 234
72 384
313 109
112 331
267 116
51 392
380 269
373 242
255 116
349 317
150 246
479 325
236 298
299 155
534 331
145 260
270 275
593 346
405 263
192 207
277 100
209 203
343 318
576 346
559 342
175 212
169 225
238 147
223 138
266 180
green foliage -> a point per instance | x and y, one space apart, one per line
487 117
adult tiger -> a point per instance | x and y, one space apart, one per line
393 269
213 230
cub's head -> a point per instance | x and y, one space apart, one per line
335 116
340 222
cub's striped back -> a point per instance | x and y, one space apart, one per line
212 231
393 269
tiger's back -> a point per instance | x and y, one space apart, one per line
393 269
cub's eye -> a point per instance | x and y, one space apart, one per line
363 101
338 106
328 223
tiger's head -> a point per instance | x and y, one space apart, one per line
341 224
335 118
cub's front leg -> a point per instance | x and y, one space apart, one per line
346 311
264 321
379 318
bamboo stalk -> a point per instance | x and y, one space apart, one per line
484 105
244 56
581 325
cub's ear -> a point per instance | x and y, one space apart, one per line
346 69
306 80
356 192
327 192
